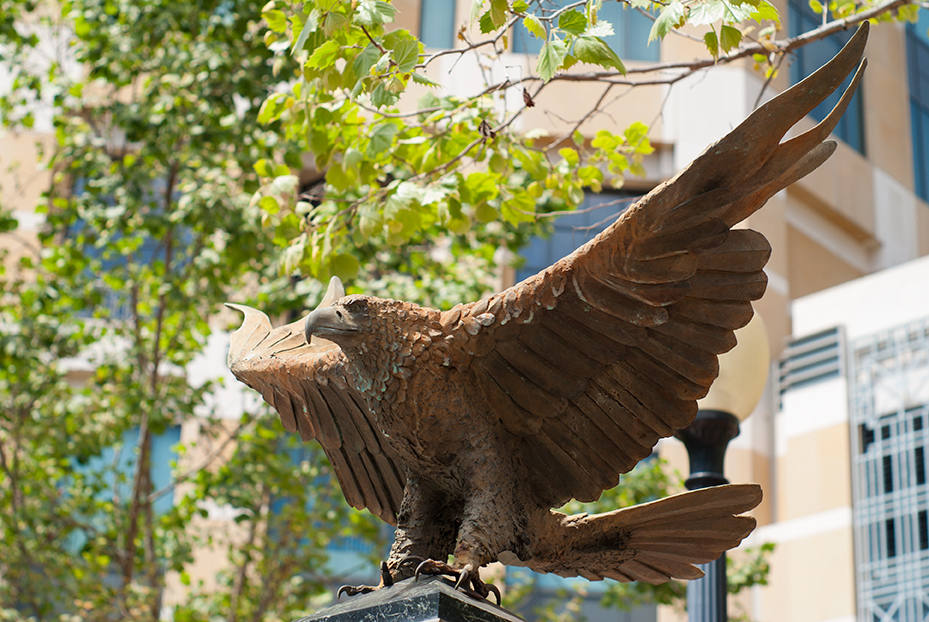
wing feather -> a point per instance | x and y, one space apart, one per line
560 353
608 350
307 385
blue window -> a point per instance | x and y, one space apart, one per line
917 58
629 38
813 56
163 455
596 213
437 24
98 470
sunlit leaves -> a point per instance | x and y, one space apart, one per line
381 138
672 16
572 22
729 37
595 50
404 49
534 26
712 43
495 17
374 13
551 58
276 20
324 55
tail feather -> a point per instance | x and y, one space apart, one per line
653 542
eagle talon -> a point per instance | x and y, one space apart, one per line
386 578
467 580
354 590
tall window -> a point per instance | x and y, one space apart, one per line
917 59
629 38
813 56
437 23
889 389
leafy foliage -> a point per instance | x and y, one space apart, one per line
148 229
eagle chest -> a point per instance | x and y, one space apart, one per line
440 419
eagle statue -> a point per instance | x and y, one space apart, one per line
464 428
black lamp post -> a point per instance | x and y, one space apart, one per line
743 372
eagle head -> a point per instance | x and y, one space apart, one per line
345 322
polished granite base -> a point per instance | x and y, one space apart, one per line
424 600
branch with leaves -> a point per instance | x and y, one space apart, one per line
398 172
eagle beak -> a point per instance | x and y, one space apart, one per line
330 323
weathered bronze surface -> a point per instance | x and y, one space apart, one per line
465 427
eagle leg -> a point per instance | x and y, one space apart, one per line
426 526
468 578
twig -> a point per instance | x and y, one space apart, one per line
593 110
783 46
767 82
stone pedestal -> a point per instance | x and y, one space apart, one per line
427 599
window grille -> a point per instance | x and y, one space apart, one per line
811 359
889 392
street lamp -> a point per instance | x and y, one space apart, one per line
743 372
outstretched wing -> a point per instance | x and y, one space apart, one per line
305 383
590 362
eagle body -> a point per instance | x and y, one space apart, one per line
465 427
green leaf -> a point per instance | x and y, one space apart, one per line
273 107
605 140
520 6
551 58
334 23
729 37
636 136
518 208
419 78
277 21
381 138
365 60
712 43
374 13
596 51
766 11
570 156
308 27
498 9
573 22
816 5
270 205
345 266
382 96
325 55
534 26
404 48
707 13
486 23
671 16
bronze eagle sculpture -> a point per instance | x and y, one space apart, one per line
464 428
